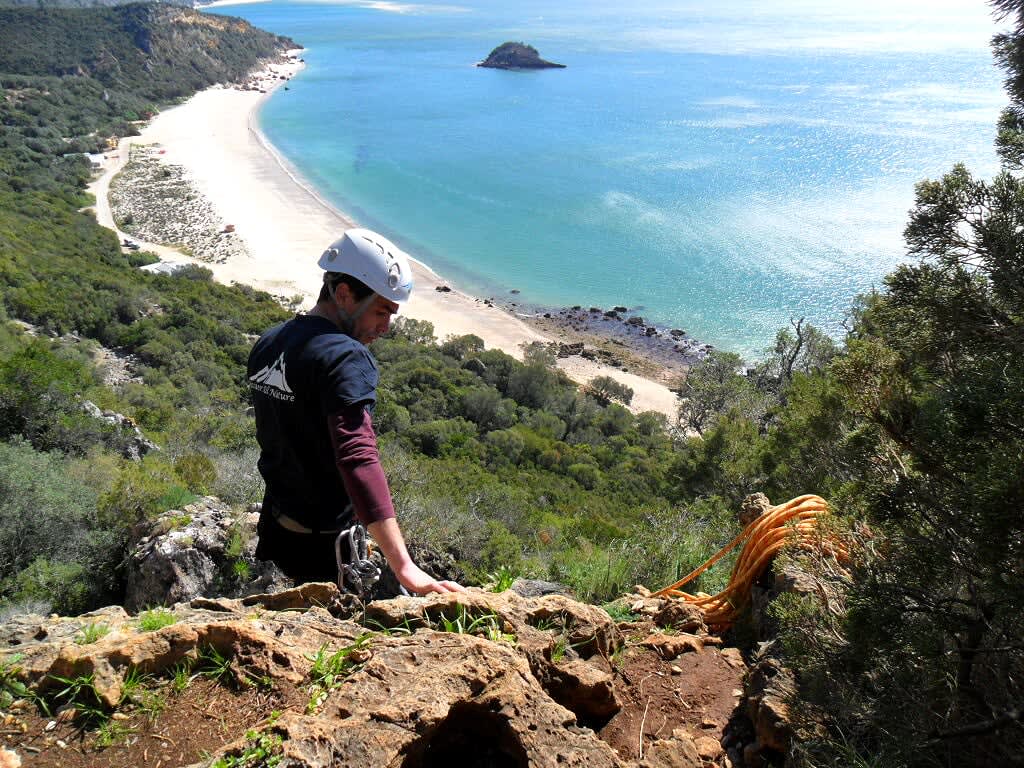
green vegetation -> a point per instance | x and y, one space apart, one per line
91 633
11 687
330 668
81 694
67 497
262 750
154 619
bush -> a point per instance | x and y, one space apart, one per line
49 531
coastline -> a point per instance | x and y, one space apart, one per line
279 224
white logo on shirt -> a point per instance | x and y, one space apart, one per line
271 381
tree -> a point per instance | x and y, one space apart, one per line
714 387
605 389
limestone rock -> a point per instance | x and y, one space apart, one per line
755 505
768 687
672 646
708 748
420 697
135 445
677 752
682 616
537 587
540 625
185 554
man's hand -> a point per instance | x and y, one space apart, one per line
416 580
389 538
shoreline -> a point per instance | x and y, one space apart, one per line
249 195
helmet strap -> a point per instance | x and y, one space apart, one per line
347 321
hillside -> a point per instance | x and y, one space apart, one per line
157 51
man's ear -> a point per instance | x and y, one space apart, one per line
343 294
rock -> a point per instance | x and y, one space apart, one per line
421 696
734 658
621 309
9 759
612 314
708 748
476 365
184 554
635 320
517 56
536 588
672 646
768 687
651 331
755 505
443 289
682 616
677 752
134 445
539 625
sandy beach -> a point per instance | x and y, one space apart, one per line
279 225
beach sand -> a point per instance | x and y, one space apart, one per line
285 225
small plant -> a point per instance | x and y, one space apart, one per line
154 619
261 749
403 629
178 521
559 648
330 669
80 692
241 570
11 688
487 625
501 580
182 676
112 732
619 611
133 681
91 633
213 664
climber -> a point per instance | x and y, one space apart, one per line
314 387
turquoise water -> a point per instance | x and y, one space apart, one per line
717 169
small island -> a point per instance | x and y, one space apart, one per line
517 56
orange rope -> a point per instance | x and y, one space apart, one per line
764 538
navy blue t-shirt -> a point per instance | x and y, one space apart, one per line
299 373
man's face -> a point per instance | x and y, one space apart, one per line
375 321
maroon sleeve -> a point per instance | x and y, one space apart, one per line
355 453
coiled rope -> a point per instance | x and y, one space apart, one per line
794 522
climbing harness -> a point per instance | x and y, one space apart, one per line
789 523
360 574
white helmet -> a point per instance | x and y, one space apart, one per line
374 260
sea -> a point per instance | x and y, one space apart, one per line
717 167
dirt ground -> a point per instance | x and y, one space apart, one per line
697 692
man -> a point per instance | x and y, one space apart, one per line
314 386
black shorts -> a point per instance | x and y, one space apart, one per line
303 557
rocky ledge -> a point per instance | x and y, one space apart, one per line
517 56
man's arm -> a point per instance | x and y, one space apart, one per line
389 538
358 461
